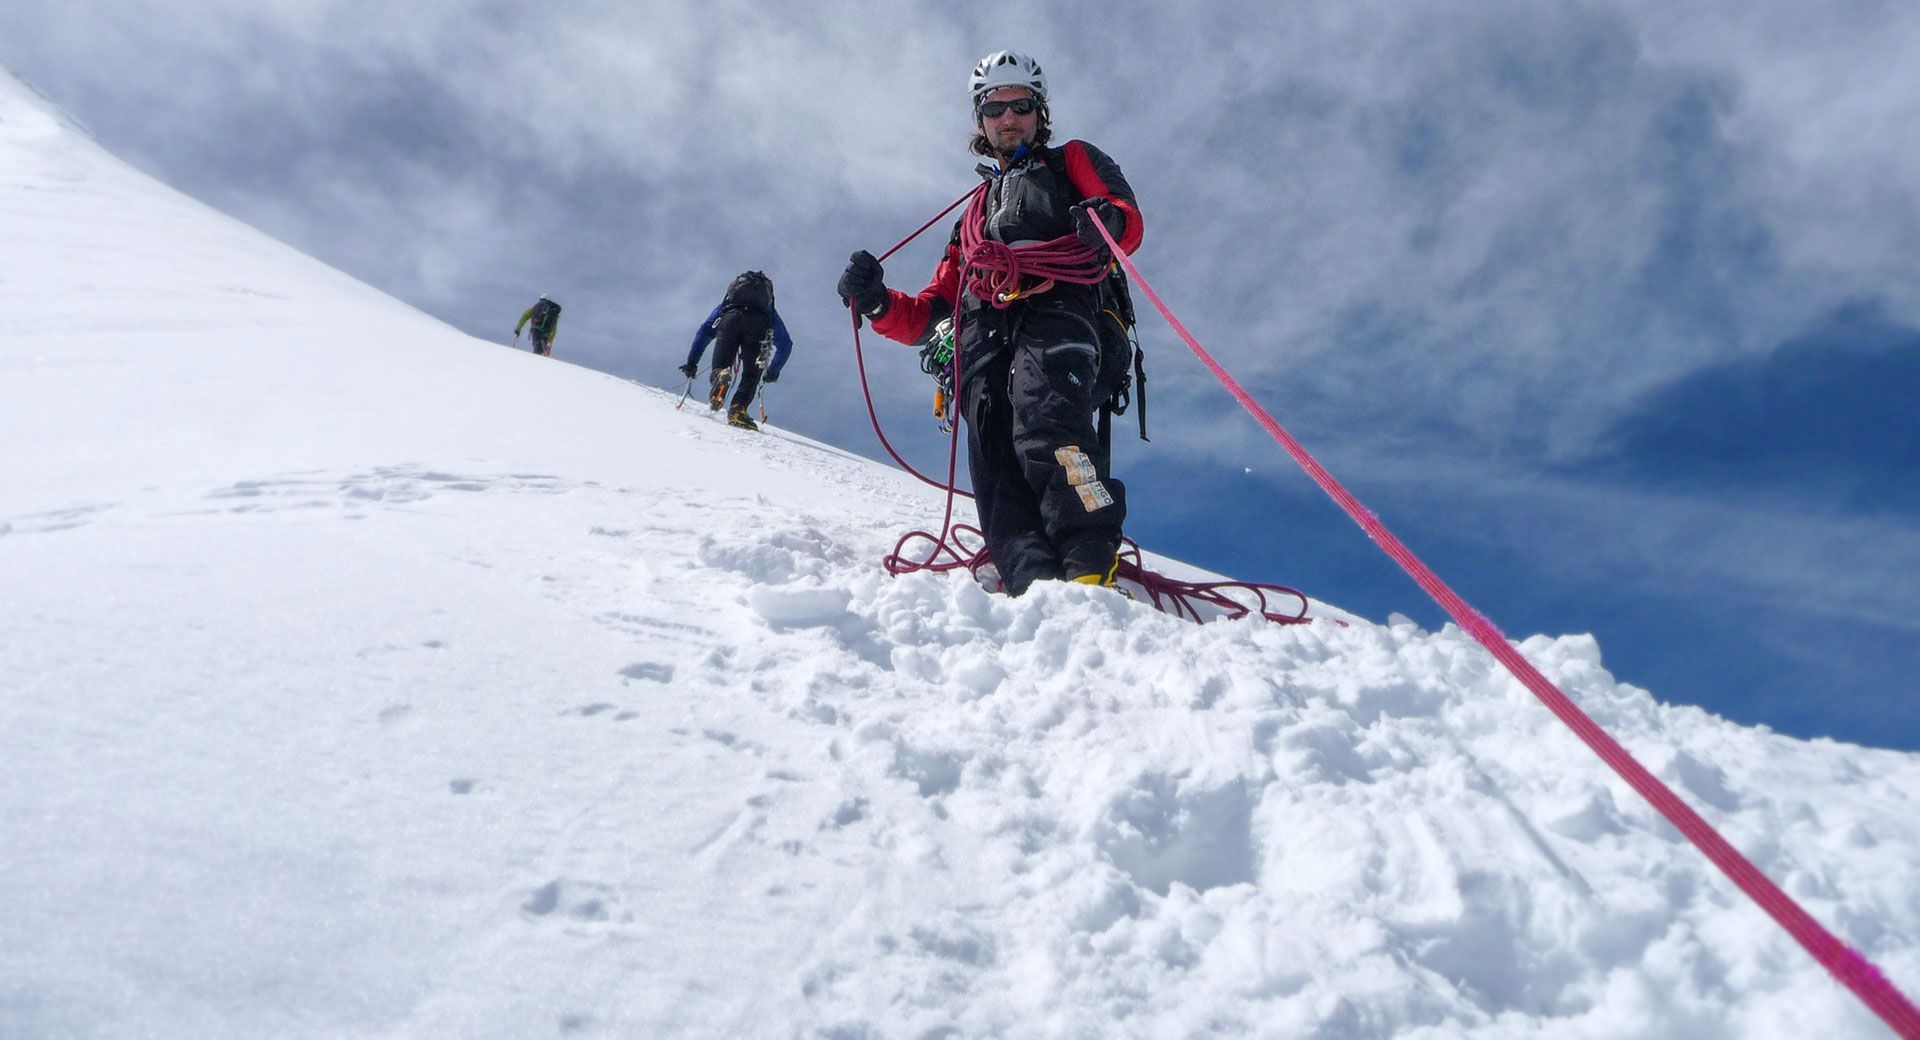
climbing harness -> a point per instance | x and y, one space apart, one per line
1846 964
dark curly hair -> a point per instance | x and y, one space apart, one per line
1040 136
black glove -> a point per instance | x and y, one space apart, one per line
690 369
773 377
1107 213
863 285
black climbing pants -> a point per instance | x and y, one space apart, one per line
1048 504
742 335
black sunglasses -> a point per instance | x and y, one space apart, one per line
995 109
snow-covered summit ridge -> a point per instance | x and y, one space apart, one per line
364 679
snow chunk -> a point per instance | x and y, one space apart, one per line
799 606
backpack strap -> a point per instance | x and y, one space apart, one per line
1116 291
1140 380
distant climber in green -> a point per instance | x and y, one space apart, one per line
545 316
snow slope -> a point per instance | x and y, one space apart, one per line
361 679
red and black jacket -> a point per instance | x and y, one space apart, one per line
1027 202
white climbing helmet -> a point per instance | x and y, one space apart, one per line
1006 69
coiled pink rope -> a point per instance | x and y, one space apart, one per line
999 273
1848 965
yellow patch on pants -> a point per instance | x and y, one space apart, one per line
1094 496
1079 468
1084 478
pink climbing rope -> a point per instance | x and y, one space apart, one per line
860 360
1846 964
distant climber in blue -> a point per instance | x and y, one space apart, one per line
748 337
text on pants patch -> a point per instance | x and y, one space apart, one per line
1094 496
1079 468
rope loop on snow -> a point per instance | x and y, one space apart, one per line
1846 964
1231 599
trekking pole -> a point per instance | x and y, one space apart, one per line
760 390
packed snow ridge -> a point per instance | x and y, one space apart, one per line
362 679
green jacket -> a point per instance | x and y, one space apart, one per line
527 316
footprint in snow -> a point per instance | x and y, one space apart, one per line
55 520
848 814
584 902
737 743
649 671
1161 829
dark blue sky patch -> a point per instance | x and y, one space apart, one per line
1710 244
1559 58
1830 415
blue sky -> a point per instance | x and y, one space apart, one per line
1608 309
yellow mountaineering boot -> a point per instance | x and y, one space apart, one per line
1106 580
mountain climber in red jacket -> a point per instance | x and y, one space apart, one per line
1036 359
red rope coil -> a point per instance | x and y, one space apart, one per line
999 273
